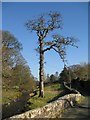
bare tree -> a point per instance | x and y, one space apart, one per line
43 25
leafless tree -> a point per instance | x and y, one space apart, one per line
43 25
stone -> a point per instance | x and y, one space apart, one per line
50 110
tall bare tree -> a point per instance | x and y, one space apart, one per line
43 25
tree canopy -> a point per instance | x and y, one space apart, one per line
15 70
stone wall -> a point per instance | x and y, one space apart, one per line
52 109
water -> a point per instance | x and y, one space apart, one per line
81 111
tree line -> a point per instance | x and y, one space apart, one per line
68 74
16 73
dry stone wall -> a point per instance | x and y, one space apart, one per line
52 109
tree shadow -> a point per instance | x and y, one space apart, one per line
58 96
15 107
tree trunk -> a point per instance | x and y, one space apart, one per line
41 71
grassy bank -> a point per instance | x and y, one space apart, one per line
9 95
51 91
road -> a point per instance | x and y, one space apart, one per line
81 111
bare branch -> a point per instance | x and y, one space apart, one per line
59 45
55 21
45 32
44 24
55 49
48 48
62 43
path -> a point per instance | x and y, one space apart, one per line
83 111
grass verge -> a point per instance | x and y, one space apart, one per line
50 92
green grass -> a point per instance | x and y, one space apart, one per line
50 92
9 95
53 87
